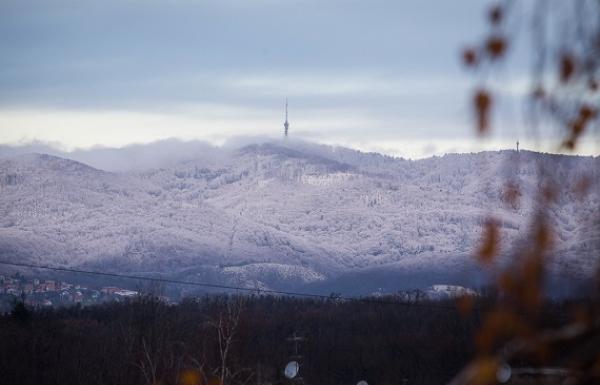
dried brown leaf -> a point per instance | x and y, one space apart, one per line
485 371
582 186
465 304
543 236
191 377
567 67
482 102
496 46
587 113
538 92
569 144
469 57
549 193
499 325
489 243
511 194
495 15
214 381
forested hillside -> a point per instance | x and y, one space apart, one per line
275 214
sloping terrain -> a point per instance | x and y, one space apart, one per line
276 214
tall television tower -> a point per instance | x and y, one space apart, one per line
286 125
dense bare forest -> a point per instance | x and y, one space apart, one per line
241 340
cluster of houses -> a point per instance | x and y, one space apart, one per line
38 293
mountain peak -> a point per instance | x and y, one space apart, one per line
49 162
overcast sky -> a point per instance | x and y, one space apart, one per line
374 75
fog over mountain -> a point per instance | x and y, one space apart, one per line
285 214
129 158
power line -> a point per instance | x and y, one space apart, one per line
226 287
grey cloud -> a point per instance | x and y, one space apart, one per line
134 52
169 56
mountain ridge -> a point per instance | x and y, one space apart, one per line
278 209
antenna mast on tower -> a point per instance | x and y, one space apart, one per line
286 125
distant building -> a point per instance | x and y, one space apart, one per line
50 285
65 286
28 288
126 293
12 289
448 291
109 290
65 296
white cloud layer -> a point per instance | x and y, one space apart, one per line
216 124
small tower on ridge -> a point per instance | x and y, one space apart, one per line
286 125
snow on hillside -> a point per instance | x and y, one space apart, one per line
448 291
288 212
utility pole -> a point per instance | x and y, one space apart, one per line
293 367
295 340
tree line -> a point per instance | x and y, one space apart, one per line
239 340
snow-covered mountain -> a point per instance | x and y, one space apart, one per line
284 214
